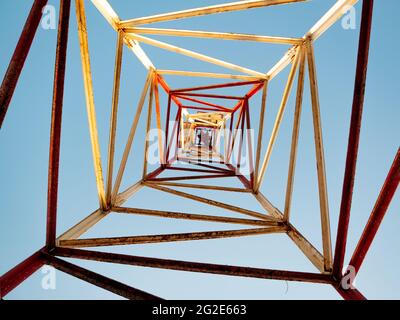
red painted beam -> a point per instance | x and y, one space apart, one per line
249 143
239 158
56 119
218 86
241 177
19 57
350 294
207 109
211 176
354 137
101 281
202 102
167 128
196 170
155 173
256 88
233 140
173 133
178 131
205 165
13 278
167 89
193 266
378 213
163 84
206 95
230 133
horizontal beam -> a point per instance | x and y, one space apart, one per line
205 95
198 170
209 75
219 269
212 202
222 108
214 35
219 8
159 238
217 86
100 281
195 163
190 216
192 54
200 186
206 109
210 176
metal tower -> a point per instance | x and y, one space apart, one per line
207 140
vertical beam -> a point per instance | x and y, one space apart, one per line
182 130
13 278
319 152
234 133
260 133
295 137
18 58
114 115
131 135
87 77
173 133
230 133
278 120
148 125
378 213
167 128
56 119
225 135
158 119
249 143
354 137
239 157
178 130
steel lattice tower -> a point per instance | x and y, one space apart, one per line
195 140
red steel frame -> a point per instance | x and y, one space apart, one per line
49 253
354 137
18 59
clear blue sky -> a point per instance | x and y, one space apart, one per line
25 135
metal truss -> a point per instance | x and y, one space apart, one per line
181 148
